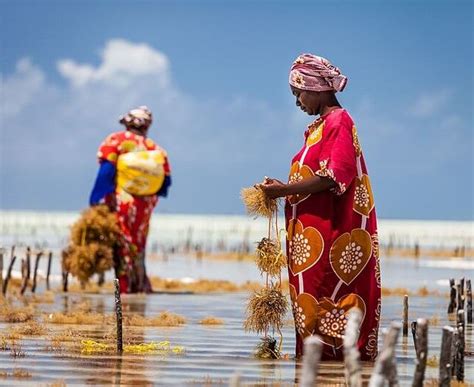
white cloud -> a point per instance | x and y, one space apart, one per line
55 138
19 89
122 62
429 104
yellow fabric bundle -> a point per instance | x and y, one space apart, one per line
141 173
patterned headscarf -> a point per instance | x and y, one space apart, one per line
137 118
315 73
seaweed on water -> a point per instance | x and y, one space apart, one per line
211 321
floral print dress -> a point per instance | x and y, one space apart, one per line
133 212
332 242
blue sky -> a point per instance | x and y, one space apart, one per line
215 75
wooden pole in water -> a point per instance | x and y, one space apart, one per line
460 297
452 296
25 270
385 366
48 272
460 347
445 365
405 315
454 351
38 256
422 352
2 251
413 332
312 355
469 301
9 274
352 369
64 273
24 277
118 315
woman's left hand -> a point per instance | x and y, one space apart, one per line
273 188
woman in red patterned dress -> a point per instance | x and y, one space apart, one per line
133 211
332 242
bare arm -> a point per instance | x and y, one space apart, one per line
274 188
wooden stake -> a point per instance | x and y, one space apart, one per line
48 272
454 351
469 301
24 276
421 356
413 332
460 297
9 274
65 274
460 347
2 251
385 366
38 256
25 270
352 369
445 365
118 315
405 315
452 296
312 355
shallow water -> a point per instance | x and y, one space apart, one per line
213 354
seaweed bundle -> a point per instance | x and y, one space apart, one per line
267 306
93 238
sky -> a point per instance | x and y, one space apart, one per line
215 75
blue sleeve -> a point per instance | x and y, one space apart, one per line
164 188
104 182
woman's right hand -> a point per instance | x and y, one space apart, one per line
273 188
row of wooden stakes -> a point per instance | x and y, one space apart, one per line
25 269
451 362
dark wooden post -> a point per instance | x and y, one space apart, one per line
413 326
469 301
25 270
38 256
460 347
9 274
452 296
2 252
118 315
48 272
445 365
460 297
405 315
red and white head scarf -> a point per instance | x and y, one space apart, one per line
315 73
137 118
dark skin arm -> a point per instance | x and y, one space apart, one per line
274 188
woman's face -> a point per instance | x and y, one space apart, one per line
308 101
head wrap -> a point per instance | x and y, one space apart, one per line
315 73
137 118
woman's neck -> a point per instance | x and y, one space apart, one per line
136 131
329 104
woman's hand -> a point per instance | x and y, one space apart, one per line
273 188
